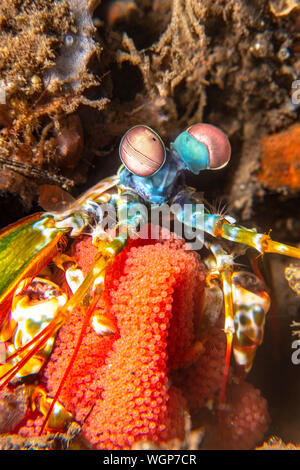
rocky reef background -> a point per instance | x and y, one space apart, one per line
77 74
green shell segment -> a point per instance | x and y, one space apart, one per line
22 245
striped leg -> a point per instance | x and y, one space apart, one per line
220 227
188 208
246 304
223 270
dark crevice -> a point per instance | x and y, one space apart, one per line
127 80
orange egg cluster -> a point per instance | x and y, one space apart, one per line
141 381
202 381
150 292
135 402
245 419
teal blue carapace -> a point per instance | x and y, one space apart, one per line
194 153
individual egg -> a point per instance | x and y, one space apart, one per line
142 151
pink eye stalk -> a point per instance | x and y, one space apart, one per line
142 151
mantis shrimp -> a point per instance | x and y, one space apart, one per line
150 176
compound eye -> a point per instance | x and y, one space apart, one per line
216 142
142 151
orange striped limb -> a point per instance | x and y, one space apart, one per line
220 227
271 246
246 304
226 279
221 267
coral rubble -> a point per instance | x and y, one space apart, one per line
275 443
44 54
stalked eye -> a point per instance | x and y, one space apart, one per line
202 147
142 151
216 141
